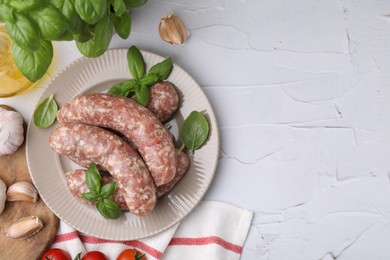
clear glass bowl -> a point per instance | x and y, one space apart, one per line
12 81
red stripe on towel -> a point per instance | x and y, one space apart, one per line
200 241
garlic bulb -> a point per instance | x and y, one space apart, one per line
172 29
3 195
11 131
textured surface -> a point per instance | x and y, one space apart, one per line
301 93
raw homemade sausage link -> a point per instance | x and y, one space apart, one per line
115 155
76 182
163 101
137 123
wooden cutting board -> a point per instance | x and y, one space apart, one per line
13 168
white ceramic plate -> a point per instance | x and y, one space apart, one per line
47 168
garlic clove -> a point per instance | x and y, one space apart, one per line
22 191
25 227
172 29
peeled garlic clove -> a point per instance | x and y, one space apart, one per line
25 227
11 131
172 29
22 191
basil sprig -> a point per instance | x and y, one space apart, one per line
46 112
107 207
90 23
141 81
194 131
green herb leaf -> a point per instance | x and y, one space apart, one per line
6 13
136 62
142 95
23 32
122 25
82 32
149 79
23 5
194 131
119 7
91 11
68 10
134 3
45 113
108 208
93 178
91 196
123 88
108 189
100 40
162 69
33 64
52 24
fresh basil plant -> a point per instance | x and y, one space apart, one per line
141 81
34 24
101 194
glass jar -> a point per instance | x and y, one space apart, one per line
12 81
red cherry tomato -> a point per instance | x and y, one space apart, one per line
56 254
131 254
94 255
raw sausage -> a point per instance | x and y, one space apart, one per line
163 101
114 154
137 123
76 182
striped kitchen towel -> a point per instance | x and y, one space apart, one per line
213 229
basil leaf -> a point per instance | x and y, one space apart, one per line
119 7
162 69
45 113
90 196
123 88
122 25
108 189
142 95
52 24
108 208
136 62
93 179
24 33
100 40
33 65
68 9
91 11
6 14
149 79
82 32
134 3
194 131
23 5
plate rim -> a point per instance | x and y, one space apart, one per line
215 129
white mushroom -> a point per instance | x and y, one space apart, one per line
11 131
3 195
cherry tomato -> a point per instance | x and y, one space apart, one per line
94 255
131 254
56 254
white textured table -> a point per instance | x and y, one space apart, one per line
301 91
